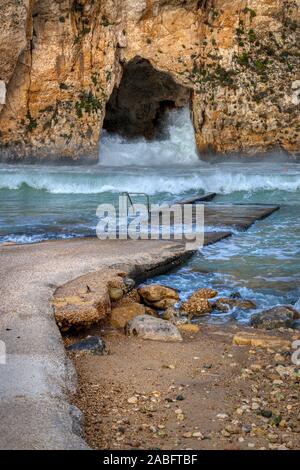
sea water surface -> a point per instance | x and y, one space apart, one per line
54 202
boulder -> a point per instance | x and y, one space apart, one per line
225 304
92 344
196 307
85 300
281 316
120 315
204 293
197 304
115 293
81 311
260 340
159 297
156 329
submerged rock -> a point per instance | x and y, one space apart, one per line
156 329
281 316
159 297
235 295
91 344
225 304
121 315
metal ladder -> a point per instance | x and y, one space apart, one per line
128 195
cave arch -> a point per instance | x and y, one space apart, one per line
137 105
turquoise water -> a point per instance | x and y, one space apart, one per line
41 202
262 264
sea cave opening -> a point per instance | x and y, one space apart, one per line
137 106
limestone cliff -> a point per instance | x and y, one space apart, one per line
237 62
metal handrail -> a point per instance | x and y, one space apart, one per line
128 195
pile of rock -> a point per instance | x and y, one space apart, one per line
142 319
152 310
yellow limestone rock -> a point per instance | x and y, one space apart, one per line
260 341
159 297
188 328
121 315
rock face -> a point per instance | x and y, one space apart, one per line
16 31
147 327
135 106
277 317
65 64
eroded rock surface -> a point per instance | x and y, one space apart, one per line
61 60
85 301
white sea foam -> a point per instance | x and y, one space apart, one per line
169 165
83 182
178 147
